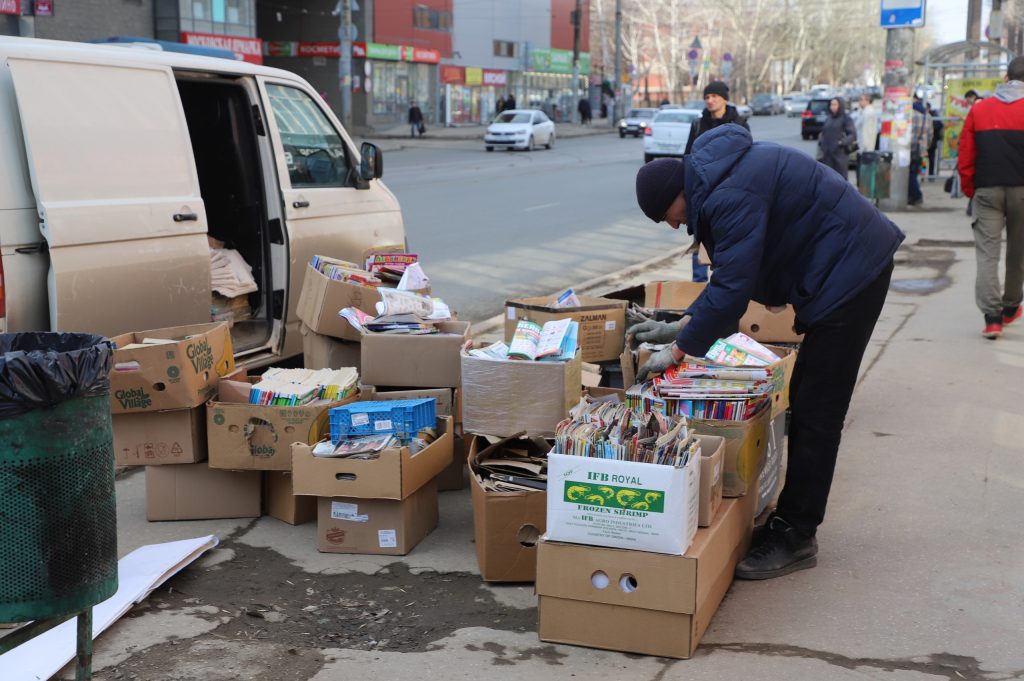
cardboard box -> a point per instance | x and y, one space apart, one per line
195 492
602 322
745 443
504 397
671 295
771 469
712 450
395 474
245 436
453 477
651 604
377 526
175 375
280 501
507 526
622 504
445 397
324 352
428 361
322 298
154 438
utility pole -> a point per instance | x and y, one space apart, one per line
345 62
899 58
613 116
577 21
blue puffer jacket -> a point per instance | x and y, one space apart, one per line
780 228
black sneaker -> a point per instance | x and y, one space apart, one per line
778 549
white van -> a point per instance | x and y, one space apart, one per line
117 163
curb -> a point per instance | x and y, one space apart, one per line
478 136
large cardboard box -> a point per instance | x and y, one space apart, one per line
174 375
427 361
377 526
395 474
325 352
745 443
712 450
322 298
505 397
245 436
453 477
507 526
196 492
639 602
602 322
622 504
281 502
153 438
771 470
758 322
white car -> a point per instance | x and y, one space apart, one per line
520 129
668 131
744 111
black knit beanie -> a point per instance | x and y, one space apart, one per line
717 87
658 183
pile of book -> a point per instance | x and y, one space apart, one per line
296 387
612 430
389 266
704 392
342 270
399 312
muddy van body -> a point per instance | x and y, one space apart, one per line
118 163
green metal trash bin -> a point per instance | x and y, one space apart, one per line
58 525
874 174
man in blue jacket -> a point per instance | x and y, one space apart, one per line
780 229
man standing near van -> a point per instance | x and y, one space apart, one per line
780 229
991 165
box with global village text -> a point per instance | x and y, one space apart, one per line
622 504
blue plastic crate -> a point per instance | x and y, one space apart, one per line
404 418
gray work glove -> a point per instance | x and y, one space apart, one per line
651 331
636 315
656 364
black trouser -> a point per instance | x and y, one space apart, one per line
819 396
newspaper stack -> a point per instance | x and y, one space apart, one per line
230 274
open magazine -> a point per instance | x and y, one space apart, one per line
556 341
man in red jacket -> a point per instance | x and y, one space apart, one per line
991 164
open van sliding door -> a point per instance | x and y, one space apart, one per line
118 195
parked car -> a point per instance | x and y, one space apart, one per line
794 105
695 104
635 122
813 118
766 104
520 129
744 111
667 133
110 199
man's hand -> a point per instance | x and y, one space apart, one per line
651 331
668 356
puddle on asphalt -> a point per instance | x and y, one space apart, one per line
920 286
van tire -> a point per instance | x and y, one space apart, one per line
489 148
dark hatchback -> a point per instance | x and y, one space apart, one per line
813 118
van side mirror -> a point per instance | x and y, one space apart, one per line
371 165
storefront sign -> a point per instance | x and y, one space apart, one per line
474 76
395 53
44 8
492 77
10 6
297 49
452 74
247 49
551 60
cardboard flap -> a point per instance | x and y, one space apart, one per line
545 304
234 392
659 582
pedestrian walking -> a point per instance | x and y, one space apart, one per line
933 147
510 102
780 229
837 139
920 139
867 128
499 105
991 165
586 113
416 126
717 111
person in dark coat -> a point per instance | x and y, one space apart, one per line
837 134
585 111
933 147
780 229
717 111
415 120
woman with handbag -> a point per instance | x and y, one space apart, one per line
838 138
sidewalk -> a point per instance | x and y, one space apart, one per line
919 574
397 138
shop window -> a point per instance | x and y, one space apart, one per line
236 12
429 19
201 9
504 48
314 151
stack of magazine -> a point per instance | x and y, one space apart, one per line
342 270
704 392
399 312
298 387
368 447
609 430
556 341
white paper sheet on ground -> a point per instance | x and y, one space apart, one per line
138 574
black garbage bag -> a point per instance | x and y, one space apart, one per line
39 370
